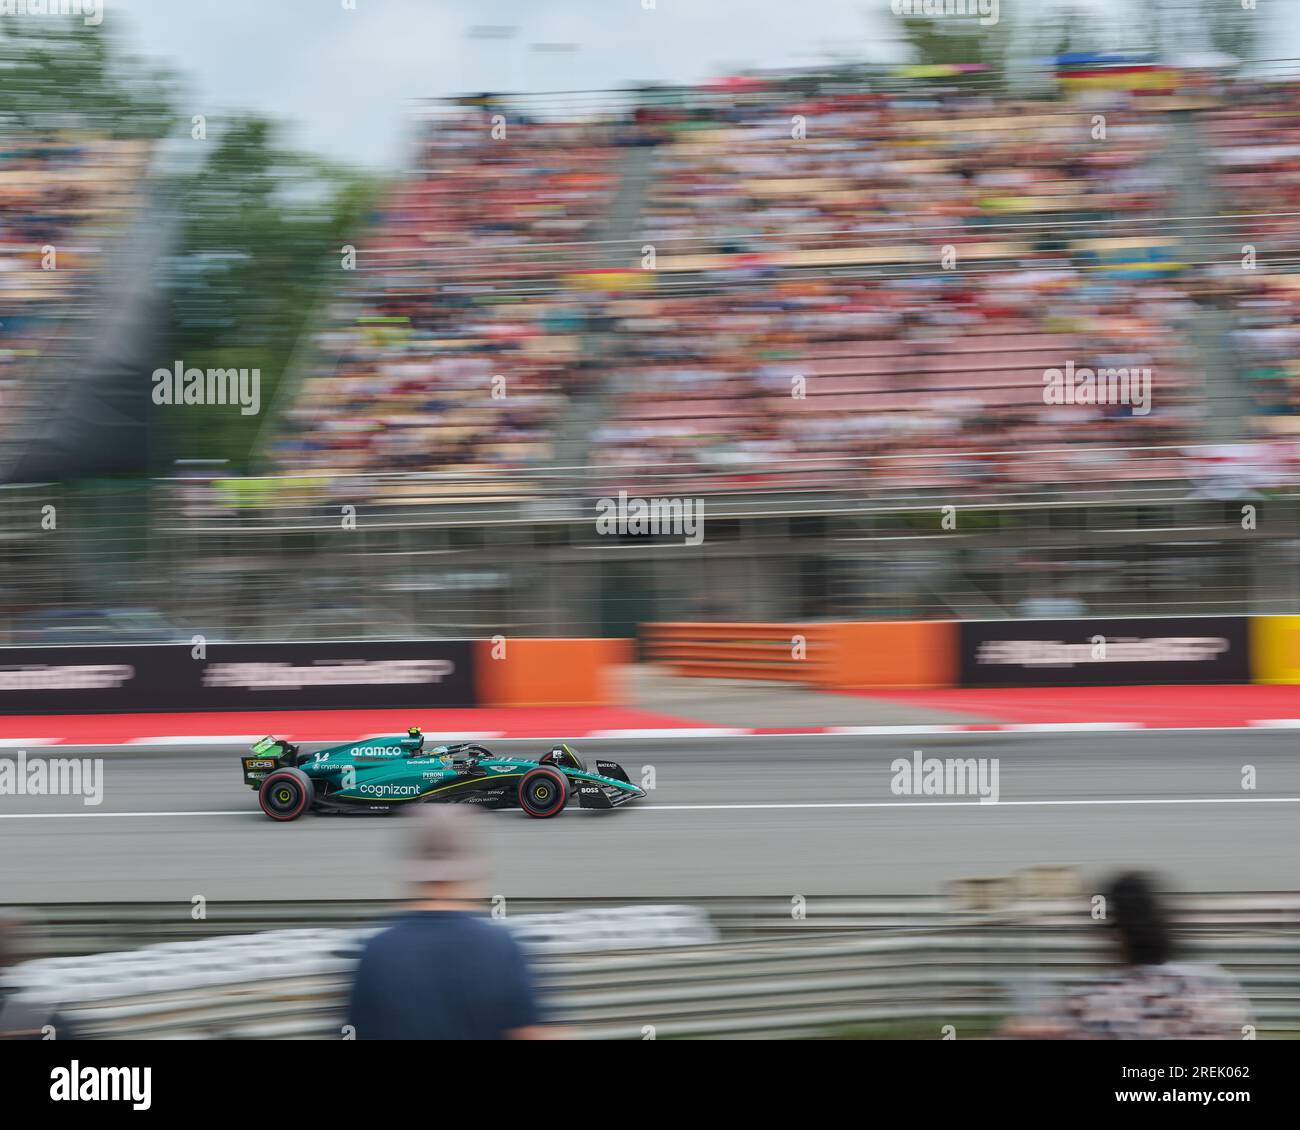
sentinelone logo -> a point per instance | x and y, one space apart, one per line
285 676
91 11
102 1084
1058 653
65 677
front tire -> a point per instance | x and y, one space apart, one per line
286 794
543 792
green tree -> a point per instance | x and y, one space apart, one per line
261 224
258 249
962 40
61 73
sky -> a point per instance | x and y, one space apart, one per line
345 78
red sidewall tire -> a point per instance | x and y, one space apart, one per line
297 783
559 792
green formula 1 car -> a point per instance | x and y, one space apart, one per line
378 774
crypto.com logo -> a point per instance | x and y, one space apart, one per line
985 10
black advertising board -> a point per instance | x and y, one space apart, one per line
1100 652
295 676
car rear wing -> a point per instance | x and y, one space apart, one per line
256 769
268 754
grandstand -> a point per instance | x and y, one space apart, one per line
872 301
830 336
1254 153
460 353
67 200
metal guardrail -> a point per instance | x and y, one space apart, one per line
283 571
778 967
69 929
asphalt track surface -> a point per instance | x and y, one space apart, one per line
751 816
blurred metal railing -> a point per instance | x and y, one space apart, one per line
256 562
1079 473
779 967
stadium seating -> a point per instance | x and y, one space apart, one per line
457 352
1253 144
63 198
853 288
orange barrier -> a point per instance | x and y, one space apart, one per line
549 672
831 655
785 653
893 653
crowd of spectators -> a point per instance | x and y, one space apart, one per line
909 382
879 283
861 174
861 284
849 287
63 196
1253 144
460 345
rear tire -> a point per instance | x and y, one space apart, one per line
543 792
286 794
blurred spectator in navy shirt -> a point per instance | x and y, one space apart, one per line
442 972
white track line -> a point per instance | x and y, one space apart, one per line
1004 730
751 806
968 803
103 815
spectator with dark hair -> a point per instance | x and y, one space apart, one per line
1154 995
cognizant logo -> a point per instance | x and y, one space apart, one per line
389 790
